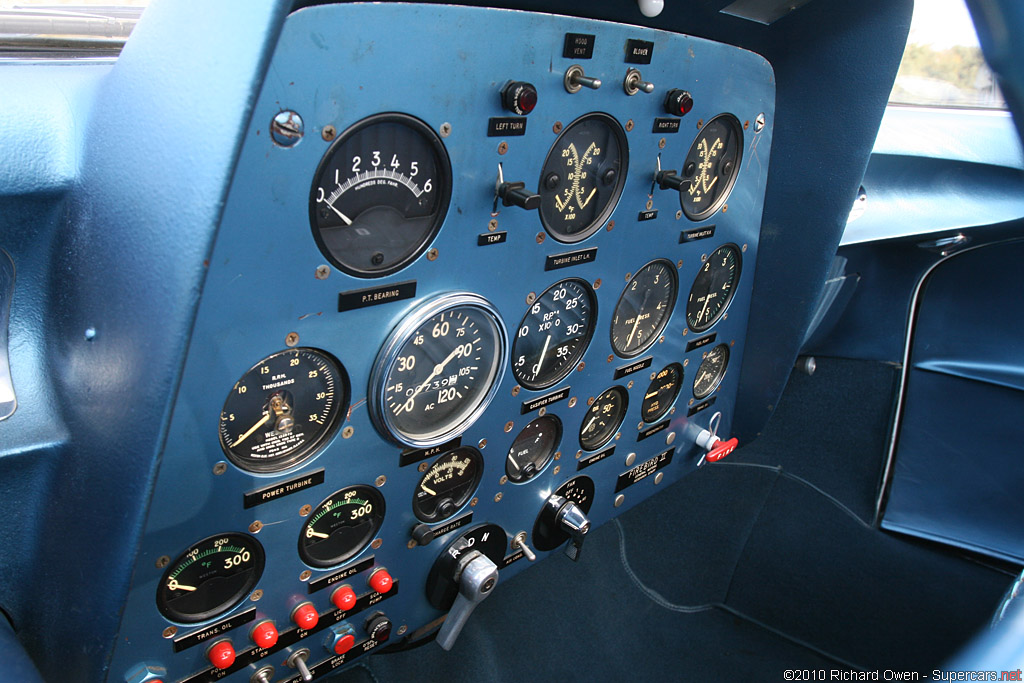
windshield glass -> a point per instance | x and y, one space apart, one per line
942 65
62 28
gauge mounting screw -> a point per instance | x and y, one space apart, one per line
286 128
322 271
328 132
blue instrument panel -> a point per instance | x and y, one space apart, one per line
285 275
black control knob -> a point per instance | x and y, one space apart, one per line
519 97
514 194
378 627
670 180
678 102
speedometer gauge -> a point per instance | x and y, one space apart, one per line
554 334
380 194
438 370
711 167
583 176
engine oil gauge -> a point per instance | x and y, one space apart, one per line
341 526
447 484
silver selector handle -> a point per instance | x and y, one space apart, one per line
478 576
572 520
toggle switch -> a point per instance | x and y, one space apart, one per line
634 83
297 660
575 80
519 543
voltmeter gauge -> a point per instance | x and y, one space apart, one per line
438 370
662 392
603 418
711 371
533 448
713 288
583 177
644 308
546 533
554 334
711 167
341 526
210 578
448 484
283 409
380 194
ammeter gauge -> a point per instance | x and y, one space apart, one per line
711 371
341 526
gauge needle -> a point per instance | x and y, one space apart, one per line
438 369
183 587
243 437
433 493
590 424
639 311
318 534
342 216
653 393
707 300
537 367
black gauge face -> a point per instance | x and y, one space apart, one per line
283 409
711 371
380 194
554 334
341 526
210 578
711 167
603 418
438 370
662 392
546 534
583 177
533 448
713 288
448 484
644 308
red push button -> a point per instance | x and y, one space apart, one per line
344 598
305 616
344 644
380 580
264 634
221 654
722 449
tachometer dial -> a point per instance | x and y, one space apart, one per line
603 418
583 176
283 409
341 526
711 371
711 167
533 448
554 334
662 392
644 308
438 370
713 288
380 194
448 484
210 578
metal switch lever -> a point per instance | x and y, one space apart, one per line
519 543
575 80
297 660
634 83
572 520
477 577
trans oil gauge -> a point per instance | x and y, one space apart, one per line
341 526
448 484
380 194
283 409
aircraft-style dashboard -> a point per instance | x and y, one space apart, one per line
464 304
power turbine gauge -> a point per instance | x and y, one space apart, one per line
711 167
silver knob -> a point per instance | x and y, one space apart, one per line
264 675
634 83
297 660
519 543
572 520
477 577
575 79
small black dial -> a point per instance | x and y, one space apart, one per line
341 526
711 167
583 176
210 578
554 334
711 371
713 288
603 418
380 194
546 534
448 484
283 409
533 448
644 308
662 392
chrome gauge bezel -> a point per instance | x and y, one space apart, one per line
388 356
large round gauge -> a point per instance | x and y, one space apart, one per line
583 176
380 194
554 334
283 409
711 167
603 418
713 288
547 535
533 448
448 484
662 392
711 371
438 370
644 308
210 578
341 526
